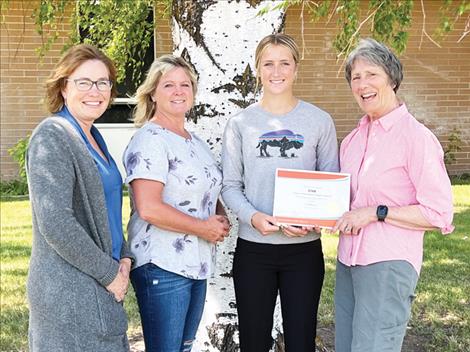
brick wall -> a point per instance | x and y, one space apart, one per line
436 86
163 36
22 78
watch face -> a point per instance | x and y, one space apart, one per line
382 211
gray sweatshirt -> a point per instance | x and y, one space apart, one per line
257 142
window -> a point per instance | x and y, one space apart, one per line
121 109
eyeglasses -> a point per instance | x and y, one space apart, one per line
85 84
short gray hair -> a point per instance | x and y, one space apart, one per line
378 54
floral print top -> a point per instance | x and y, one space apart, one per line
192 180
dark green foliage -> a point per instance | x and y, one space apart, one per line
454 144
49 15
348 21
13 188
19 186
451 11
386 20
18 153
462 179
121 29
391 22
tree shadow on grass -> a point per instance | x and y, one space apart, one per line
25 228
441 310
16 272
12 251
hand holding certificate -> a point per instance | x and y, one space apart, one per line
310 198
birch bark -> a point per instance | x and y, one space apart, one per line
219 38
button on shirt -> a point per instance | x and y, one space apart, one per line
394 161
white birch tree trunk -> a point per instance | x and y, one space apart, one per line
219 38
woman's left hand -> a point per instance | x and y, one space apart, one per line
125 269
125 266
297 231
353 221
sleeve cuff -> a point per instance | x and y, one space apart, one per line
110 274
442 221
447 230
246 215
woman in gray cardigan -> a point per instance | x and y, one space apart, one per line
79 269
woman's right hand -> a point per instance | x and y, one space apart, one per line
215 228
264 223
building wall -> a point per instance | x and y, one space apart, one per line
436 86
22 77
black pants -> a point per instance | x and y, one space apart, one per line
260 271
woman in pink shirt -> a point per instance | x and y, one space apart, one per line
399 189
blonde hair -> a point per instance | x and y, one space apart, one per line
68 63
145 106
275 39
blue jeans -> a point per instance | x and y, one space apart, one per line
170 307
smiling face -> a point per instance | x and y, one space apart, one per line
174 93
372 89
277 70
87 106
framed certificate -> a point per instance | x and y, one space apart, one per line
311 198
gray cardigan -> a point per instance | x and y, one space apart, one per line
71 260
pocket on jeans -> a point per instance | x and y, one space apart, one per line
112 315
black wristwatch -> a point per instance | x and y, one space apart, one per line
382 211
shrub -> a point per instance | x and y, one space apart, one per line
18 153
20 185
453 146
13 188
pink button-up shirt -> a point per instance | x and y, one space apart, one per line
394 161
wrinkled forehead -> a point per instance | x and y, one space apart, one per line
363 64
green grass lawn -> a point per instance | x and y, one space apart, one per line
441 312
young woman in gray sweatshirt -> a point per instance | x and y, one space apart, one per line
279 131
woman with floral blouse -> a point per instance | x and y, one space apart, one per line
176 217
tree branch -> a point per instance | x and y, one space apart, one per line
332 12
423 29
359 28
352 38
466 31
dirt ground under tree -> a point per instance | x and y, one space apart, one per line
325 342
